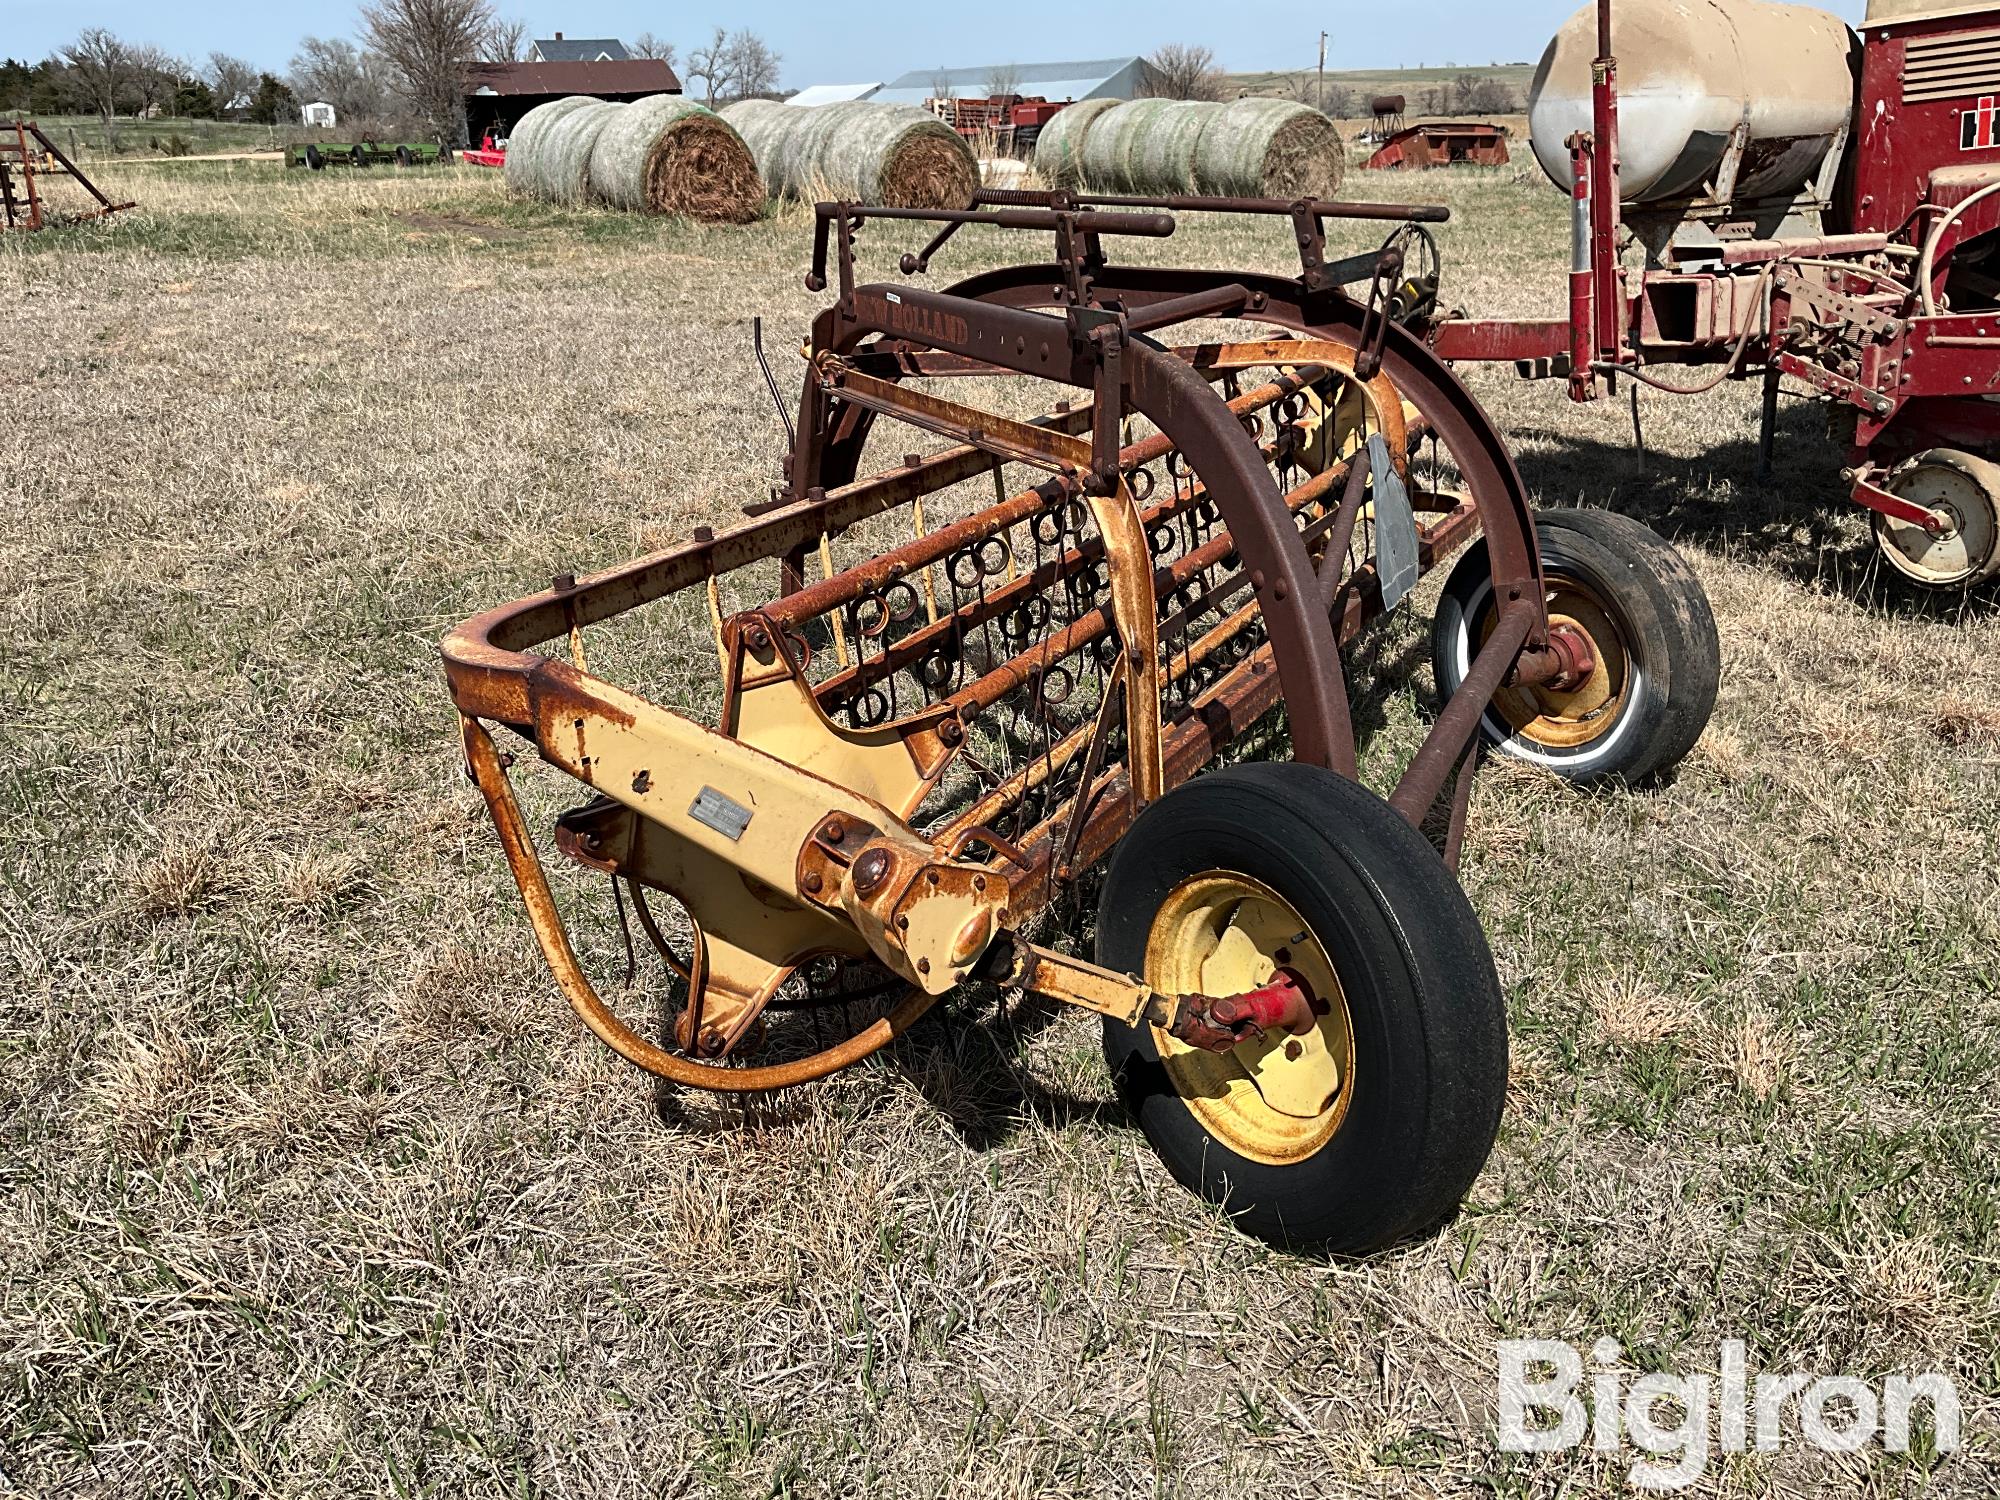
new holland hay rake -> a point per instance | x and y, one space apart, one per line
920 751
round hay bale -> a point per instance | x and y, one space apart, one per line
669 155
1059 148
524 146
1270 148
894 155
563 169
1112 149
1162 158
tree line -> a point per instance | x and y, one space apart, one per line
403 69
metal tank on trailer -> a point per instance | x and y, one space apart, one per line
1725 107
1813 205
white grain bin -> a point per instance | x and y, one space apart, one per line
1690 72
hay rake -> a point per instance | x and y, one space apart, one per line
923 746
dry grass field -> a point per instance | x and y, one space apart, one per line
310 1184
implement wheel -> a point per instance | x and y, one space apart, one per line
1656 665
1369 1128
1965 491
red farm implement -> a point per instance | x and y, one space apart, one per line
1823 206
1445 144
29 160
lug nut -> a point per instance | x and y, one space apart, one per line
835 830
811 883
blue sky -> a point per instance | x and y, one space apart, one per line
821 44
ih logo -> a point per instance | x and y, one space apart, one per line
1975 127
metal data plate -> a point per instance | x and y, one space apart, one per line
725 815
1395 525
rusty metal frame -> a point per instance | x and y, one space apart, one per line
813 833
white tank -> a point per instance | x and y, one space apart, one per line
1690 72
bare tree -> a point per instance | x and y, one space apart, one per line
428 43
334 70
1002 81
155 74
941 85
504 42
711 64
100 70
753 66
648 45
1179 71
232 79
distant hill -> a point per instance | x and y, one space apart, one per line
1495 89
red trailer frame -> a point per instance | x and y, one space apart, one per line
1885 312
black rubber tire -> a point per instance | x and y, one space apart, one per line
1429 1021
315 159
403 157
1669 629
356 158
444 156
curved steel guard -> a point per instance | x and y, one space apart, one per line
1453 411
1182 405
526 864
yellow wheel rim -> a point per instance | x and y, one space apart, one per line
1566 720
1278 1100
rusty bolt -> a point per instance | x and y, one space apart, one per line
903 924
1257 578
641 781
870 871
951 731
757 638
835 830
923 966
1293 1051
932 876
564 583
711 1042
979 882
811 883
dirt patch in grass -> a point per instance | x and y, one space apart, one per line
458 224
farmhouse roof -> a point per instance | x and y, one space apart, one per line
1103 78
635 76
559 48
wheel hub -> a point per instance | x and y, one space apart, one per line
1960 547
1279 1094
1582 701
